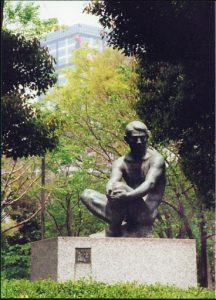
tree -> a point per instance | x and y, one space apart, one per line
180 34
65 215
160 30
27 72
2 5
174 43
181 214
20 208
168 99
23 18
20 186
27 130
96 103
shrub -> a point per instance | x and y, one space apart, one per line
91 289
16 261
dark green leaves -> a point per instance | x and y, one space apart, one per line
28 71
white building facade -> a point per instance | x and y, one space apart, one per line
61 44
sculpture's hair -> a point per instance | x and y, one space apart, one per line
136 125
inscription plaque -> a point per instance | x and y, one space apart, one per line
83 255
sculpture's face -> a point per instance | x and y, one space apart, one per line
137 141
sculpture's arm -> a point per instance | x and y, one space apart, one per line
155 172
116 175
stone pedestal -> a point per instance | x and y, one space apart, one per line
110 260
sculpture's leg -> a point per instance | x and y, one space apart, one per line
141 215
117 216
100 206
152 202
97 204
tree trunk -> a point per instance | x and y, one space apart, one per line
209 276
80 216
203 255
43 198
69 216
214 257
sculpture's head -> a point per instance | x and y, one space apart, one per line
136 136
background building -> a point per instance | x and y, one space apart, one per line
61 44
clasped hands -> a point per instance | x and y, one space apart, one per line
117 196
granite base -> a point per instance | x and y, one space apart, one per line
110 260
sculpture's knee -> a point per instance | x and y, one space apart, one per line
92 198
85 196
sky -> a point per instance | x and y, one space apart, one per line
67 12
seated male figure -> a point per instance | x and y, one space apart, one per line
135 199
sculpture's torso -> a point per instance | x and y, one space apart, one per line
135 171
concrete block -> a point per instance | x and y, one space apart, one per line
110 260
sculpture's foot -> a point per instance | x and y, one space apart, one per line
113 232
139 232
145 231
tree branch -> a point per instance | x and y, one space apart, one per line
9 176
5 203
23 222
54 219
178 212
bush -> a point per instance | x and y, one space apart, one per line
91 289
16 261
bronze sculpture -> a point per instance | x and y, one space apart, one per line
130 206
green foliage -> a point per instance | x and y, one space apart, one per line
181 211
174 42
24 131
27 129
169 99
27 72
96 103
20 185
24 18
92 289
26 66
19 204
160 30
15 261
162 100
66 216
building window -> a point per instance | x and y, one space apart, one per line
62 60
71 47
71 41
52 47
61 52
62 43
53 53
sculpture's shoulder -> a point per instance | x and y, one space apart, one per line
119 162
155 157
124 162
